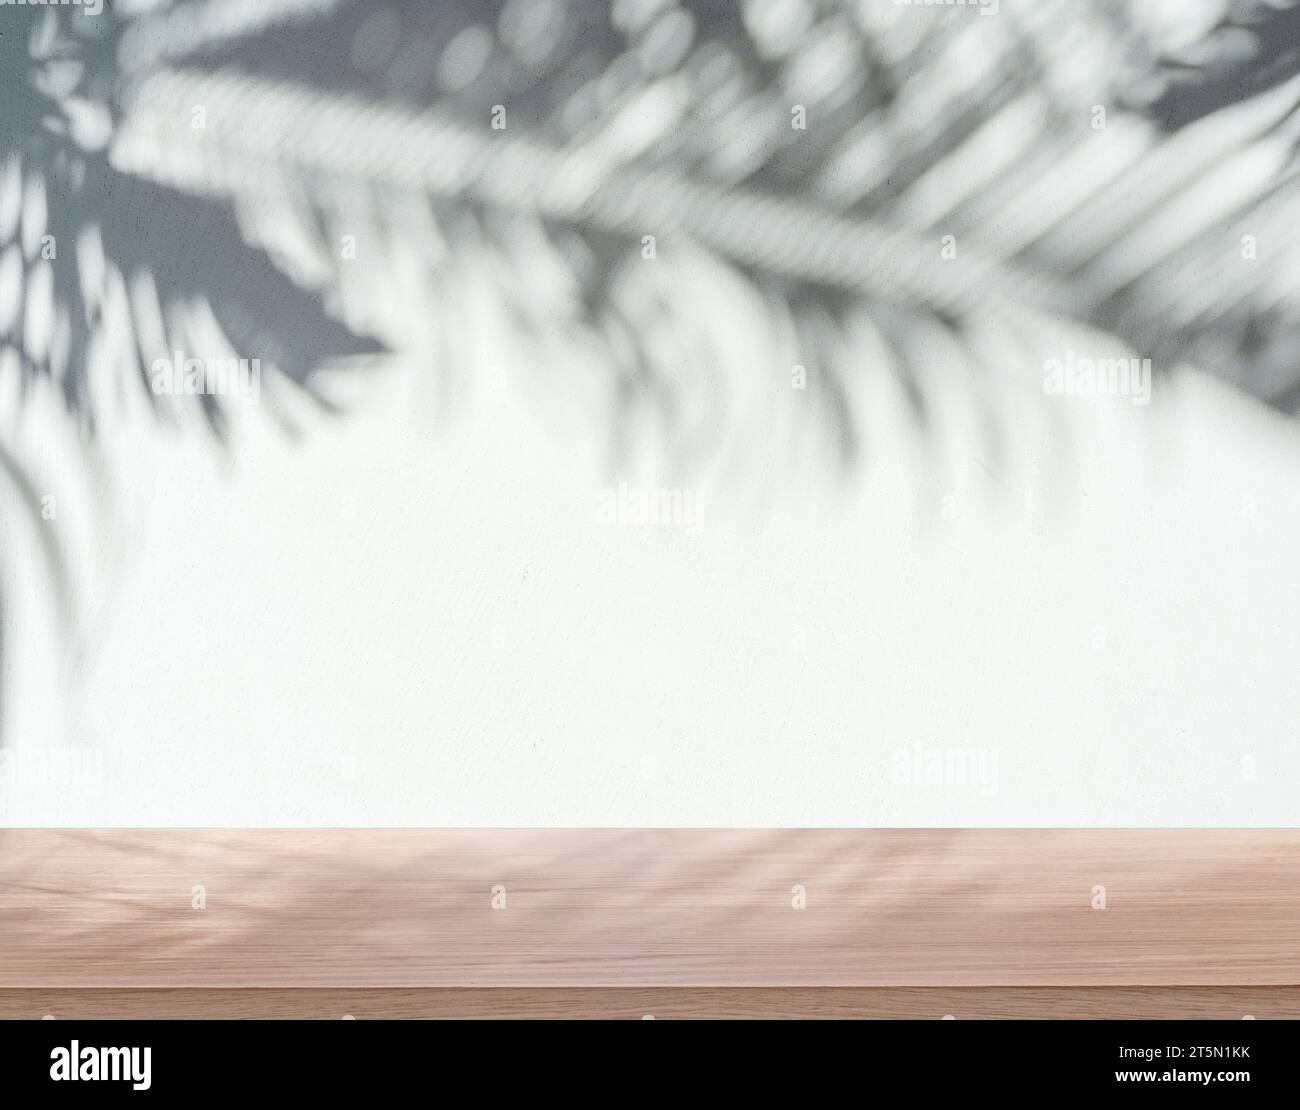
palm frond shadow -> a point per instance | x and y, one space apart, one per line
121 271
103 274
848 214
576 84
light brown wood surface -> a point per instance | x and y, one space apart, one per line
613 1003
603 908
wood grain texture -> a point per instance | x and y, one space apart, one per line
648 908
615 1003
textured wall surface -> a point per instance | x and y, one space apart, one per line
955 347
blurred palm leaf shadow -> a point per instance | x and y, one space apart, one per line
107 272
674 120
795 161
